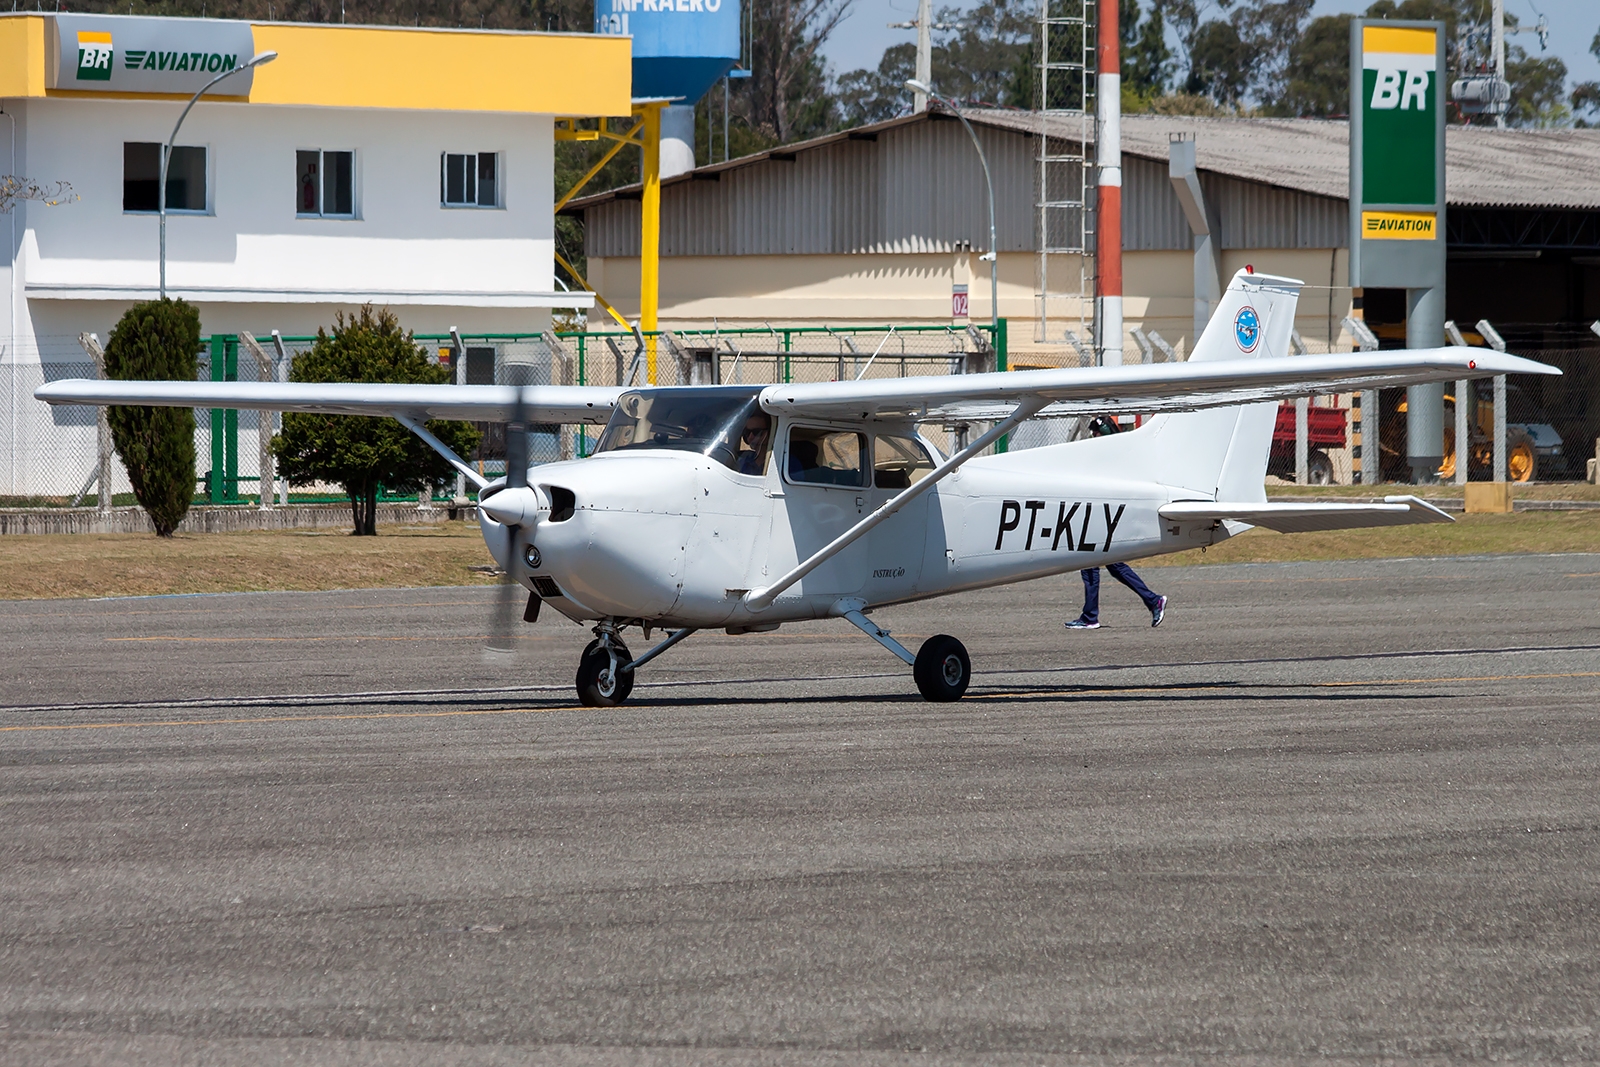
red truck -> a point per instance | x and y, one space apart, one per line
1325 428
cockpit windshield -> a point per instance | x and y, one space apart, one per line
715 422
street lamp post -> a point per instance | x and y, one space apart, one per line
993 254
166 152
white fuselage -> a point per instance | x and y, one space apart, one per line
676 539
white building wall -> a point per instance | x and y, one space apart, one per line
252 247
249 263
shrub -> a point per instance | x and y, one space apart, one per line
360 453
156 341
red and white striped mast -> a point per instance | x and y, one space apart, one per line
1108 215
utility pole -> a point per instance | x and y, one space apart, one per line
1108 249
924 53
1497 42
924 25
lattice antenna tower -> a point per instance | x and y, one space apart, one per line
1065 185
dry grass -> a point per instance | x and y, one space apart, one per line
89 565
1529 491
1469 535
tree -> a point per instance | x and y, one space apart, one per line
1220 63
1586 96
1146 59
984 57
359 453
1317 78
1538 90
786 96
156 341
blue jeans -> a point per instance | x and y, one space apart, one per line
1122 573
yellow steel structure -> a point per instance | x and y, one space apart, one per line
650 233
646 134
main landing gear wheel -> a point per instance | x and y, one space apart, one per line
598 687
942 670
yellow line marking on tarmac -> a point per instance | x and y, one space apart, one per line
1586 574
347 716
1478 678
290 718
1181 687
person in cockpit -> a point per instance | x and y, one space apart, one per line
753 443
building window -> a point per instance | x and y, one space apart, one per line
324 184
470 179
141 174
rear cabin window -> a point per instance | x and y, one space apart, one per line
827 457
899 462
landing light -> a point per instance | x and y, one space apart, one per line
530 556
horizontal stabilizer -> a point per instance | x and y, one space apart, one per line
1308 518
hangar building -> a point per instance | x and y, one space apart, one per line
868 225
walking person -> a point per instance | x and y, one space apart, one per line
1101 426
1090 618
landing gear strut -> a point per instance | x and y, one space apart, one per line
605 672
941 667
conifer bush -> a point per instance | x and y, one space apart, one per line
158 340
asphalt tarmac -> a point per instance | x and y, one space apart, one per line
1338 811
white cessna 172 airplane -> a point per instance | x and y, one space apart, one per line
746 507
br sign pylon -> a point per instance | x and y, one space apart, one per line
1397 204
1397 154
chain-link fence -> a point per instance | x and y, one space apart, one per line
52 453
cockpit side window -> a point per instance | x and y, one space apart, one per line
819 456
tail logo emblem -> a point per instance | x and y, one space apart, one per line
1247 328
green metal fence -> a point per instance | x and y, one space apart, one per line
762 355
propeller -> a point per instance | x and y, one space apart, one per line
516 511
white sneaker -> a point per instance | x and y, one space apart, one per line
1080 624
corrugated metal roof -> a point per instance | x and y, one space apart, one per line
1485 167
916 187
913 184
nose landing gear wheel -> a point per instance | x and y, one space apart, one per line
942 670
598 687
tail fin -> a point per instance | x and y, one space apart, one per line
1222 453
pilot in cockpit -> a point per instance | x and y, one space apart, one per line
753 443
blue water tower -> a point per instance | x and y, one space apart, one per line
680 47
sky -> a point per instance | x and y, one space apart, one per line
861 39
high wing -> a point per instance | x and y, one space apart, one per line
1147 388
1144 388
1307 518
568 404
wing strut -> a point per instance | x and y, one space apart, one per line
416 426
761 599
